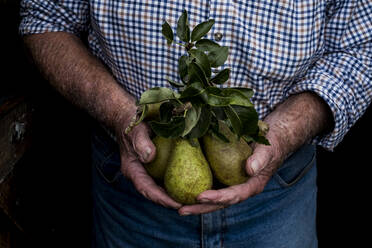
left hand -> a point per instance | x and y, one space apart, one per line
292 123
261 165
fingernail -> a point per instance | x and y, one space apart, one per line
255 165
204 200
147 153
184 213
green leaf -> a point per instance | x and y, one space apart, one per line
156 94
167 32
201 29
183 29
214 90
243 119
237 97
165 110
234 119
191 119
221 77
196 74
212 98
203 124
214 129
216 101
171 129
207 45
183 62
262 140
246 91
201 60
174 83
249 118
217 57
219 113
192 90
256 138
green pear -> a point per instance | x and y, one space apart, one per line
157 167
188 173
227 160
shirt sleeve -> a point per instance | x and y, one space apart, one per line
40 16
342 76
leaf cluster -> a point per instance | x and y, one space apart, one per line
200 103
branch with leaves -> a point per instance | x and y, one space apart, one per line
200 102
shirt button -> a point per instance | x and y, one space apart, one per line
218 36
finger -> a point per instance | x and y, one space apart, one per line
149 189
199 209
143 183
261 157
147 186
233 194
142 144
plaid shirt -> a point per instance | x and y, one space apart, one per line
277 48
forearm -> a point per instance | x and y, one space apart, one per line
297 120
70 68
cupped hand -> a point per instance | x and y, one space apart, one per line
260 166
136 148
292 123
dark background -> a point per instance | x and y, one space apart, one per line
54 175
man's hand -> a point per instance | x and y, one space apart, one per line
261 165
81 78
292 123
136 148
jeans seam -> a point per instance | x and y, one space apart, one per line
223 226
104 161
283 183
201 231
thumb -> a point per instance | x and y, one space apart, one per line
260 158
142 144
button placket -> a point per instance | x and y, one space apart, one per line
221 12
213 227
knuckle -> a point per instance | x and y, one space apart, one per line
232 197
234 200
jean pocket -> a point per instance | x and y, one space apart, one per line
105 156
296 166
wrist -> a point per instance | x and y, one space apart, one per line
122 118
296 121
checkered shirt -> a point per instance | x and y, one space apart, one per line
277 48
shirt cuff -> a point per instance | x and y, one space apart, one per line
51 16
331 91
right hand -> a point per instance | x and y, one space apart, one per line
136 148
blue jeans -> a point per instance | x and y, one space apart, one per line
282 216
